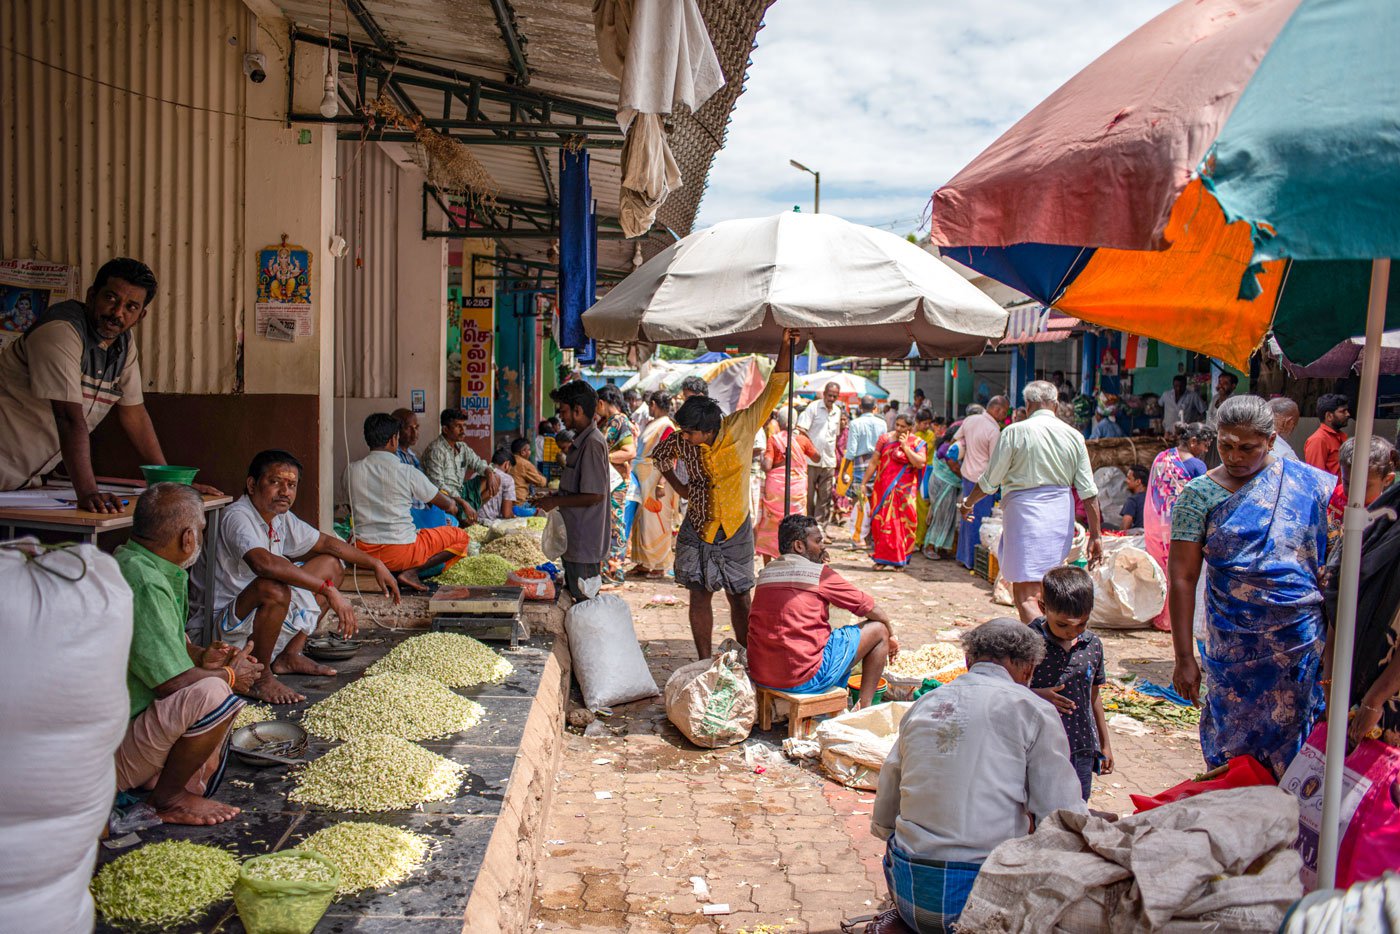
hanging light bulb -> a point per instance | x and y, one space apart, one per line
330 101
637 258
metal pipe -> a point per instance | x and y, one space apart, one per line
1354 523
787 459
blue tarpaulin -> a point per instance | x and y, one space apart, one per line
578 260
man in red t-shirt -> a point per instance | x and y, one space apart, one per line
791 645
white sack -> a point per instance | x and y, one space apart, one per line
1129 588
712 701
608 662
661 50
65 623
1113 493
856 743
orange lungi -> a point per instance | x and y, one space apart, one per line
416 553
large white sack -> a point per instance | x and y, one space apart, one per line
855 744
65 623
608 662
1113 493
712 701
1129 588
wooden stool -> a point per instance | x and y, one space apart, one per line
802 708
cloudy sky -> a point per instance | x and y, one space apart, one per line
889 98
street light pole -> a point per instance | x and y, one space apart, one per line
817 177
816 209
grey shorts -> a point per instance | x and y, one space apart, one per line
726 564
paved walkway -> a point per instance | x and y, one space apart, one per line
639 812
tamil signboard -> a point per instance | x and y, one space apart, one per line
478 325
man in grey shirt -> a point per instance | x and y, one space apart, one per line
583 490
975 762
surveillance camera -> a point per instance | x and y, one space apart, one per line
255 67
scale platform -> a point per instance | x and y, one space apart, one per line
486 613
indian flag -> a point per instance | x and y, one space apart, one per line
1138 352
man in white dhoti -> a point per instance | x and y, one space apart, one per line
1034 464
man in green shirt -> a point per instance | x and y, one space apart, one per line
458 471
182 696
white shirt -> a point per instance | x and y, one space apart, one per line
1171 410
822 425
241 530
1283 449
984 755
977 436
491 509
381 490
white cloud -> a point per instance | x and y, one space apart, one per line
889 98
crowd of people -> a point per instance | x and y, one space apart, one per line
1246 533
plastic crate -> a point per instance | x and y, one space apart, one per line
985 565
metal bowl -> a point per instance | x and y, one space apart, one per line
279 737
331 649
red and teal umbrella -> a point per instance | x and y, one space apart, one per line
1231 168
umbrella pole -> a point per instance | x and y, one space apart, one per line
787 460
1353 526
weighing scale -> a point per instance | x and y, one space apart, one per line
486 613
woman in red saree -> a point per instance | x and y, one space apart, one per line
900 457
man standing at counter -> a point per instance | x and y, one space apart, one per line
62 377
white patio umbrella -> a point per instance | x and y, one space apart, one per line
849 289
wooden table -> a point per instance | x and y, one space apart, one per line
88 526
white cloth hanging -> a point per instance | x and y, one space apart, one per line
649 174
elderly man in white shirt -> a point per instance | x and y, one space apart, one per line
1034 465
821 423
975 763
381 489
976 439
1286 415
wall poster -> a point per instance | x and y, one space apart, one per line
284 292
27 288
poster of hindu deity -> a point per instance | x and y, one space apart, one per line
283 308
27 288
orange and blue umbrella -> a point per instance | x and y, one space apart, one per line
1228 169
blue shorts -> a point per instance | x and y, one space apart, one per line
837 659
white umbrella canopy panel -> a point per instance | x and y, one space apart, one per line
851 289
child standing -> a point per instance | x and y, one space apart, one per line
1073 670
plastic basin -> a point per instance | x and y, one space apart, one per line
161 473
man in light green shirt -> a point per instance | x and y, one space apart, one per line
1034 464
183 698
450 462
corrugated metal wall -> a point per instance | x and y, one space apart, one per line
122 134
366 294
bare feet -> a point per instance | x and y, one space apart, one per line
295 663
269 689
186 808
410 579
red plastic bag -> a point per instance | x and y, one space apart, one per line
1240 772
536 584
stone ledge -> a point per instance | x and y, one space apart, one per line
502 895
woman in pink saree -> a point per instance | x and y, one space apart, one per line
782 444
1171 471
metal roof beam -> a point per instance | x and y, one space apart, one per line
547 141
515 42
490 88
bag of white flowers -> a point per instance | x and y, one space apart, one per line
286 892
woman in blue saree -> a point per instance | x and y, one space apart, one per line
1258 524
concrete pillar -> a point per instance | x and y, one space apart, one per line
290 184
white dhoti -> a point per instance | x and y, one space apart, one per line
1036 533
303 616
